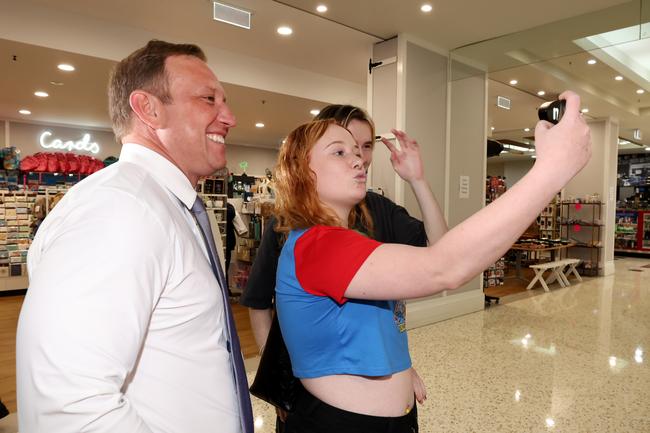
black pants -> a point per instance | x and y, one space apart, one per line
314 416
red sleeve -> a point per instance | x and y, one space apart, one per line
327 258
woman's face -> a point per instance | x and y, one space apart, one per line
362 134
339 169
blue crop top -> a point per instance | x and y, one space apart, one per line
326 333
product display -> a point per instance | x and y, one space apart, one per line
581 223
16 209
632 231
59 162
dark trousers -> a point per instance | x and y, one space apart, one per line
314 416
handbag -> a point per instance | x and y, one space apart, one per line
274 381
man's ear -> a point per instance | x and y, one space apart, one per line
147 107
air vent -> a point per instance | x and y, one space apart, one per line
232 15
503 102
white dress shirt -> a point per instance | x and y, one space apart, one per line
122 328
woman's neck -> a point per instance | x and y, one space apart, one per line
343 213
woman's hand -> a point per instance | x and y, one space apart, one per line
563 149
406 161
419 388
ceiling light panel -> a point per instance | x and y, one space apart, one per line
321 9
41 94
66 67
231 15
426 8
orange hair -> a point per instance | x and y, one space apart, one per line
297 205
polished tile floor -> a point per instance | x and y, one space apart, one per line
572 360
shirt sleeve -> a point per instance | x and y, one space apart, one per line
86 314
260 288
327 258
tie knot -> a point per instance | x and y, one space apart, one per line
198 207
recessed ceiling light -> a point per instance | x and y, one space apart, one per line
25 112
618 78
513 82
56 83
526 129
591 62
321 9
314 112
285 31
41 94
584 110
259 125
541 93
426 8
640 91
66 67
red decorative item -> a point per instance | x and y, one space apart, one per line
29 163
83 164
52 163
73 162
63 164
42 162
578 206
577 227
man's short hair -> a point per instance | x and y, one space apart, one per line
144 70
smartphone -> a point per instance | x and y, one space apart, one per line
552 111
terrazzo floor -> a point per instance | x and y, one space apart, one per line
572 360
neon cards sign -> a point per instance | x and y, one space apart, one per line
84 145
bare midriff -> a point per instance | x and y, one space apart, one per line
377 396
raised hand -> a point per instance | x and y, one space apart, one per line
565 148
406 161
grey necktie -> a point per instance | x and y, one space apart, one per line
241 383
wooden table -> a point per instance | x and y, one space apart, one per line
520 248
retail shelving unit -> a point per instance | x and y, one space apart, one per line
15 237
548 221
581 223
212 191
632 231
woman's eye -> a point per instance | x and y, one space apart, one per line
339 153
210 99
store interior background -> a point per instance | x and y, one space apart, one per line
279 80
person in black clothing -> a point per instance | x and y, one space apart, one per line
389 223
231 240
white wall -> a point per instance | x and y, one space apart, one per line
25 136
515 170
495 168
258 159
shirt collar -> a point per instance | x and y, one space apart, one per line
165 172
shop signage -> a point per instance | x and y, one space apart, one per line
82 145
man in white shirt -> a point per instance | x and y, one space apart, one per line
123 328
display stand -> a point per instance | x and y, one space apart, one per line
582 224
212 192
632 231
